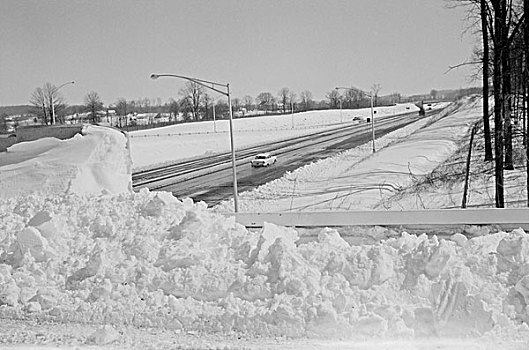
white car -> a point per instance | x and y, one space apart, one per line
263 159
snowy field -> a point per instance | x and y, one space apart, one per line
85 262
149 147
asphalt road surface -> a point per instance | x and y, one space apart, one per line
210 178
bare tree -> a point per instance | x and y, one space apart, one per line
55 102
146 104
526 73
192 94
93 105
353 98
174 110
121 110
248 102
48 100
306 100
236 104
375 89
138 105
38 100
395 97
283 97
334 98
265 100
485 39
292 99
501 21
207 101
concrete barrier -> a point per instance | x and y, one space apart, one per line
32 133
413 219
7 141
62 132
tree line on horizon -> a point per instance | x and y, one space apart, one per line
193 103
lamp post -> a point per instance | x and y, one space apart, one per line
292 112
340 98
213 86
53 104
372 123
341 110
372 113
214 121
214 118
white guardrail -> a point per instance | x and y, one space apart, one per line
506 218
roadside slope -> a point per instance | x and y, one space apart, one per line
358 179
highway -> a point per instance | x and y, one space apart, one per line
209 179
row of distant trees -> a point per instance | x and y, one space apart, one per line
194 103
503 60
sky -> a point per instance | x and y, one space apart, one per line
112 47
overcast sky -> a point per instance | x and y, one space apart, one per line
112 46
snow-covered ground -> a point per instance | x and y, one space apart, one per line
358 179
149 147
101 266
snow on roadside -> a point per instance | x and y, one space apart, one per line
93 162
444 187
149 260
357 179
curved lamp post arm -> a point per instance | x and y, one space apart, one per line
68 82
200 82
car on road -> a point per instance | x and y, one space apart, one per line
263 159
356 119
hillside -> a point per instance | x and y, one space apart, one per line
15 110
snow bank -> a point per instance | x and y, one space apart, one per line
94 162
148 259
358 179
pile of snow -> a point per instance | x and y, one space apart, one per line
148 259
95 161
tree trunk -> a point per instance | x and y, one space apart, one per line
499 24
486 125
507 104
524 111
526 51
44 115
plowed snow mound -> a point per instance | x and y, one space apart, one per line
149 259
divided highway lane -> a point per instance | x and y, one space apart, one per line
209 179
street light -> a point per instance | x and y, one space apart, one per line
53 104
292 112
214 118
341 99
372 113
213 86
